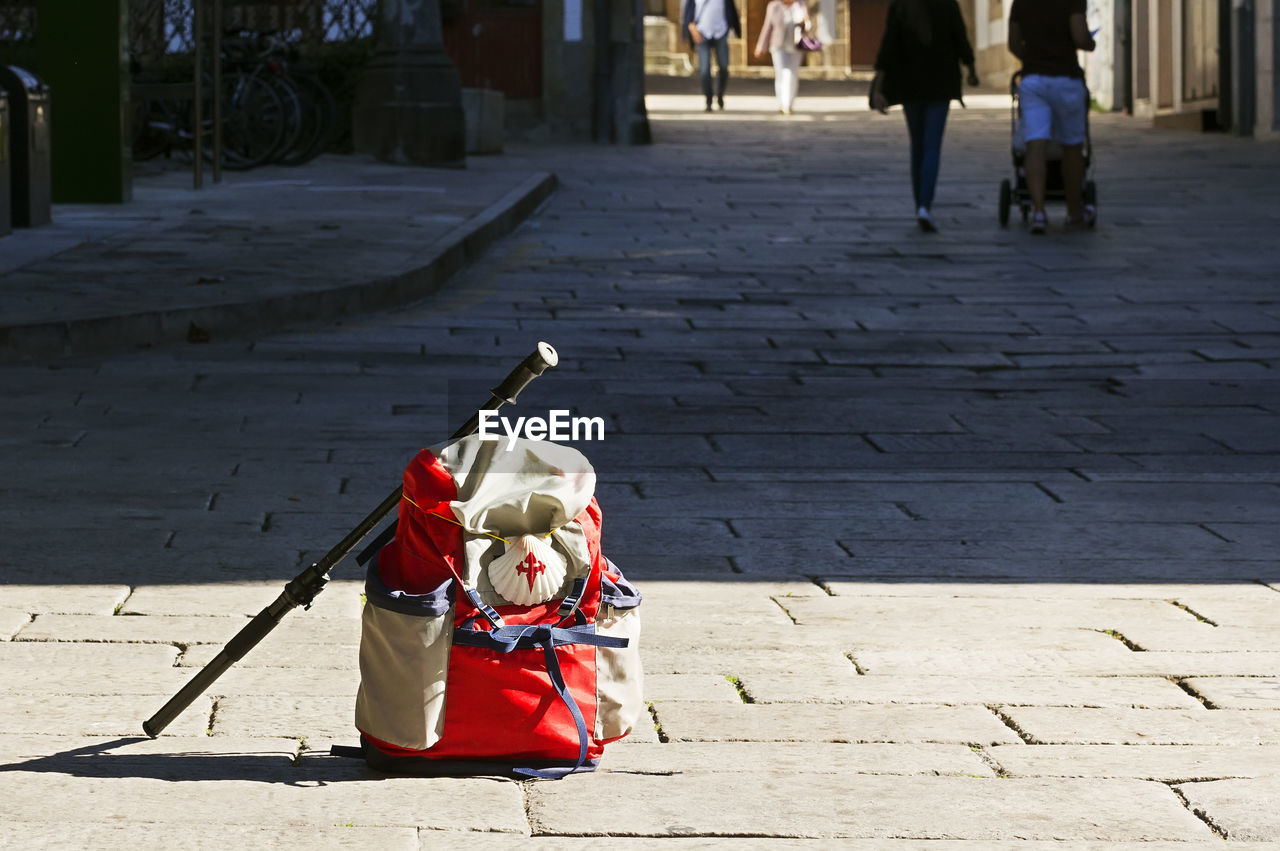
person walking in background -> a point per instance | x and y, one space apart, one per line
783 20
918 66
708 24
1045 35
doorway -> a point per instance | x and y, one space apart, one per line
755 23
866 26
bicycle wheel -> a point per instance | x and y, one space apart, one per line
291 104
253 122
318 120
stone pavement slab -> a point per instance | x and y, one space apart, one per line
1017 612
210 837
327 796
803 805
18 657
90 714
676 842
1166 763
158 630
995 662
1201 637
1258 611
96 754
701 721
1051 725
1051 591
1232 806
281 654
341 599
783 758
13 621
63 599
1114 663
1152 692
183 629
286 713
712 687
1238 692
65 677
731 659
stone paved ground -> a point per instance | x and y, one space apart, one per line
956 541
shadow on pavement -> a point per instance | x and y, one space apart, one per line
98 761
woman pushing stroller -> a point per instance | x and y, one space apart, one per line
1045 35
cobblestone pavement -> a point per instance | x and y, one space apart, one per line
953 541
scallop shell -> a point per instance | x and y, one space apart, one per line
529 572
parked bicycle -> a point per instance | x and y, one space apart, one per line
291 128
272 111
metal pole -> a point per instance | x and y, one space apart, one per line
1275 70
197 108
217 91
304 587
602 12
1226 74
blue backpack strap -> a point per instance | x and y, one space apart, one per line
488 612
570 603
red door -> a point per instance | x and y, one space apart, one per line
866 26
496 45
755 23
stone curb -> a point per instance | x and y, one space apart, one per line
438 262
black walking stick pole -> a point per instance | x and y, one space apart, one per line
304 587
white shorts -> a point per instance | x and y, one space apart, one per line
1053 108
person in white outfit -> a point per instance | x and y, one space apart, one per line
784 20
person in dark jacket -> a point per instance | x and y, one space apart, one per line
707 23
918 66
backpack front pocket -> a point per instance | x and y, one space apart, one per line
404 662
619 680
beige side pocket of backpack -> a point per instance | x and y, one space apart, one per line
619 679
404 660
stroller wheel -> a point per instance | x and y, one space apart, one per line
1006 199
1091 202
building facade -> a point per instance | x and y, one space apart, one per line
570 69
1207 64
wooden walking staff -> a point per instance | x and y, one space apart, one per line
304 587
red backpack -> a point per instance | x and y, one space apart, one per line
496 638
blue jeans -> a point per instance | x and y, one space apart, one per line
926 119
721 47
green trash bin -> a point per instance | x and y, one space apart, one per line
30 172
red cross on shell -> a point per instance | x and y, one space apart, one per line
531 568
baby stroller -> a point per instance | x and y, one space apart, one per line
1015 191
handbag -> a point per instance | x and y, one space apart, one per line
806 43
